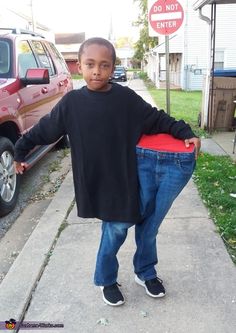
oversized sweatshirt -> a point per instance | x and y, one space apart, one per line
103 129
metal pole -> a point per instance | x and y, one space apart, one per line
167 75
32 16
213 38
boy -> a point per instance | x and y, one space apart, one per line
104 122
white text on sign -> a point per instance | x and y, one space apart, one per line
168 8
165 17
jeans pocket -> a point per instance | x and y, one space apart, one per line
186 166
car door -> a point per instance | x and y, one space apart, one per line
63 75
35 100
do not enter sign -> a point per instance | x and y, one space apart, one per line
166 16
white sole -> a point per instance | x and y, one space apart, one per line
111 304
142 283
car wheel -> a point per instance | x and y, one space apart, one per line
9 180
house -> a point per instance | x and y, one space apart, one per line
125 54
218 103
190 46
68 44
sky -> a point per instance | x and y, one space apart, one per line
90 16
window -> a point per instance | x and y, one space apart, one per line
45 60
61 64
219 59
26 58
4 57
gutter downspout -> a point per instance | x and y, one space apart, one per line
203 17
204 116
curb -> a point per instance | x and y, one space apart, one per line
18 285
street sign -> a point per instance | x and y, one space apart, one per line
165 17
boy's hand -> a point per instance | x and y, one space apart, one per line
20 167
197 144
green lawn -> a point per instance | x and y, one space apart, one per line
77 76
183 105
215 177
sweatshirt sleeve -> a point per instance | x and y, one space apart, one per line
48 130
154 121
157 121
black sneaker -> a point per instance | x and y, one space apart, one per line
154 287
112 295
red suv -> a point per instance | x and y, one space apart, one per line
33 78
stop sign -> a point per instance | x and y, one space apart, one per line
166 16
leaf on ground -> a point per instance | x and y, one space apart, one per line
232 241
102 321
144 313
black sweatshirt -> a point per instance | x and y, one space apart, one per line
103 128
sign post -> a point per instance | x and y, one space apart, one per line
165 18
167 75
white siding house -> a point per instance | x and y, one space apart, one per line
125 54
189 47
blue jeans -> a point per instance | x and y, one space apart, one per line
162 176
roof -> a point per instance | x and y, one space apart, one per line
201 3
70 38
70 56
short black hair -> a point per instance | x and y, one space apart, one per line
98 41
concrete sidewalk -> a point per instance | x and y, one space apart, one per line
52 278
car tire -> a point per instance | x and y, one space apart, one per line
9 180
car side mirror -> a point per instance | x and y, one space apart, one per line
36 76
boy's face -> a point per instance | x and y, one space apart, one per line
96 66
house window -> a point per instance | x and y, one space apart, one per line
219 59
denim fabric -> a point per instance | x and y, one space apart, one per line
113 236
162 176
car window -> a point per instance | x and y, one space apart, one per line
120 69
26 58
60 62
4 57
44 57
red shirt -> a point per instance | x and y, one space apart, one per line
164 142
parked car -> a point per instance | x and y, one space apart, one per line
33 78
119 74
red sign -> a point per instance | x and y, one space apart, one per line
166 16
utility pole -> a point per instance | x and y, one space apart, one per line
32 15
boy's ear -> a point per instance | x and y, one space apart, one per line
79 67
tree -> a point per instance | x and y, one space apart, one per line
118 61
145 43
124 42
